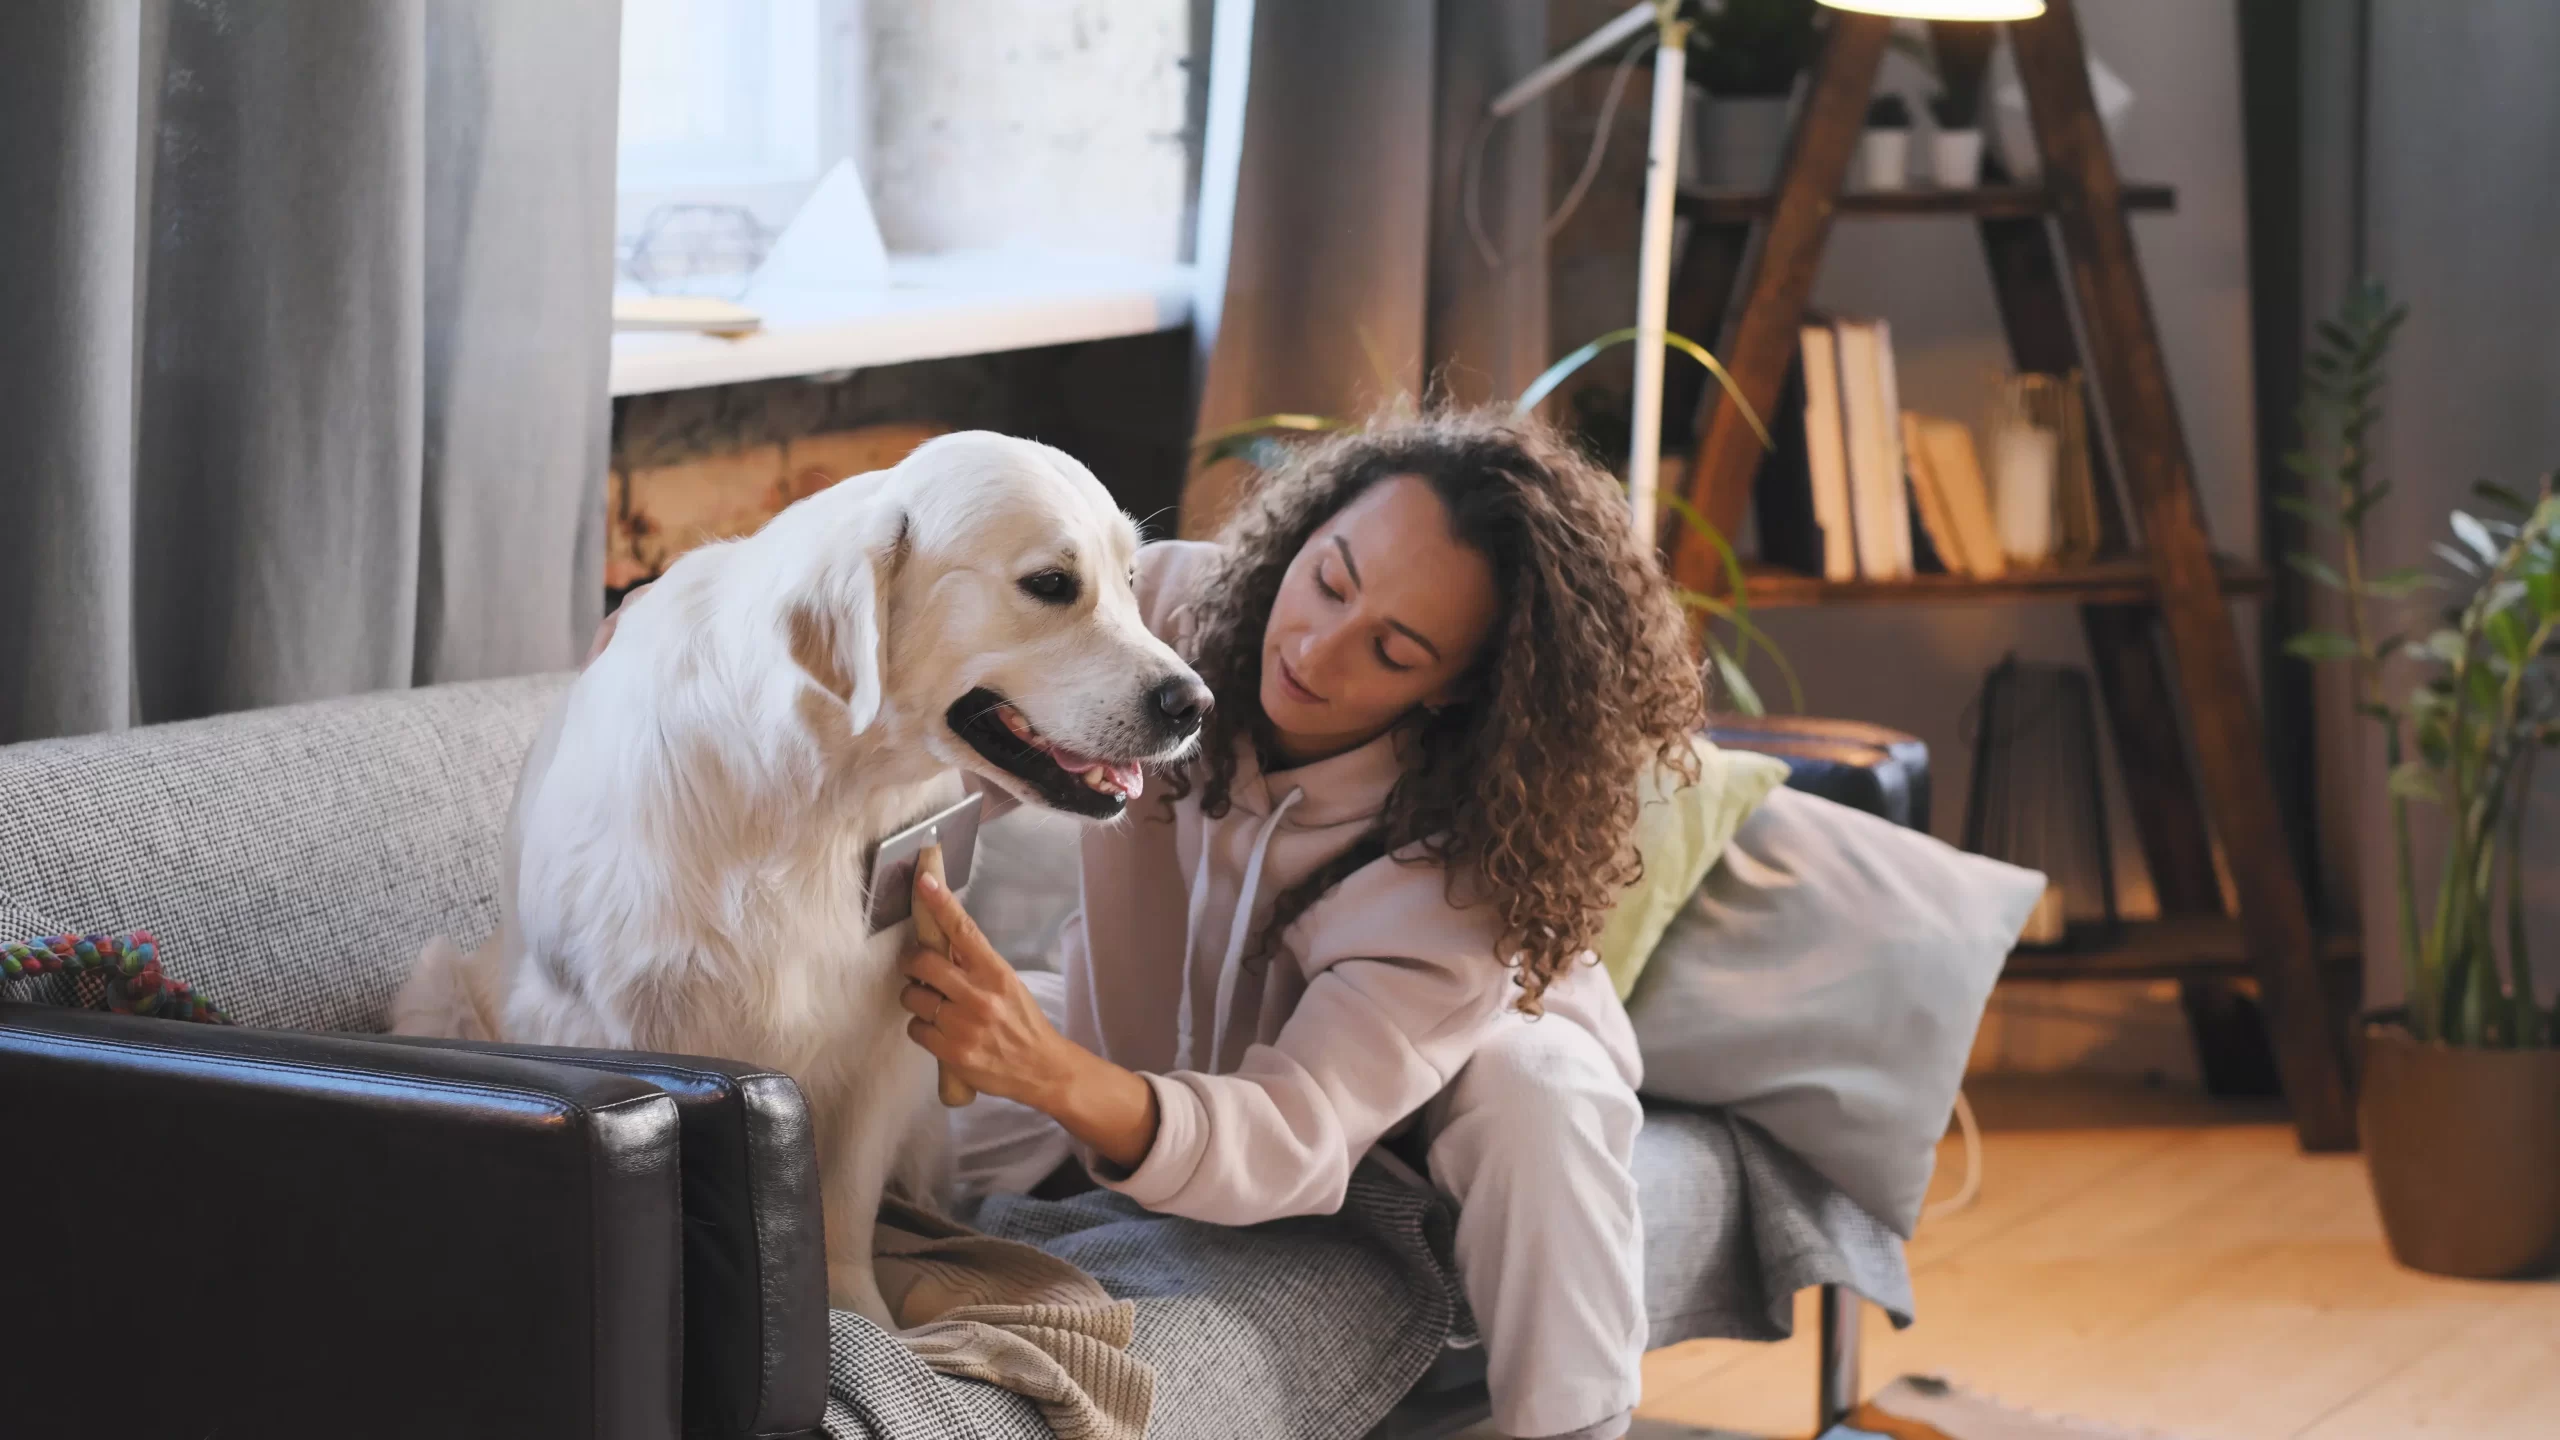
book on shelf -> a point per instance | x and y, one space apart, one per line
1826 453
1863 489
1782 494
1871 429
1952 494
1936 532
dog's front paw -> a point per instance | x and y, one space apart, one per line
856 1288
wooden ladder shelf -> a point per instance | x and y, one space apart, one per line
2056 249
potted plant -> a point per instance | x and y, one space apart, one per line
1884 152
1747 55
1955 147
2460 1102
1955 151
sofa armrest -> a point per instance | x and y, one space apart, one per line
249 1232
755 1252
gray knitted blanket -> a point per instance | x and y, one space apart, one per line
1299 1328
1313 1329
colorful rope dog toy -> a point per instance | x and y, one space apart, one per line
126 968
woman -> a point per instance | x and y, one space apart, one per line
1440 661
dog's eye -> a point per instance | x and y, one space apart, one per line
1050 587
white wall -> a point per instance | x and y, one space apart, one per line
1033 124
2462 205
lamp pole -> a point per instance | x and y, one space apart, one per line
1661 188
1653 267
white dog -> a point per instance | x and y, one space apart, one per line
689 850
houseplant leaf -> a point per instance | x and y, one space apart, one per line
2401 583
2314 568
2508 633
2310 513
2471 532
1740 619
2499 495
2412 780
1556 374
2543 586
1233 441
2321 645
2370 496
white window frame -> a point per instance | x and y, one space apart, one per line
796 105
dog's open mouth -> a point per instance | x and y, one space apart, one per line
1064 779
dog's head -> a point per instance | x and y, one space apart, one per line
988 614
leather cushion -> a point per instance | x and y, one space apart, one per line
338 1237
755 1264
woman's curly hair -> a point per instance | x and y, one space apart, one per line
1528 785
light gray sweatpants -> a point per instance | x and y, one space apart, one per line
1533 1143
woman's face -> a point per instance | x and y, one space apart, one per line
1383 610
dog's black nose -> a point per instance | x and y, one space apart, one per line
1182 701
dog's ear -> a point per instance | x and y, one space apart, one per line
839 635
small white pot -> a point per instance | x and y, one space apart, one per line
1955 159
1884 159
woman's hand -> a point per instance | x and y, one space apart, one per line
604 632
974 1014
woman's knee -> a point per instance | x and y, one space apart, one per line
1542 1094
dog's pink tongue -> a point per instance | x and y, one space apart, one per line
1131 780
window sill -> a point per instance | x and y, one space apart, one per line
937 306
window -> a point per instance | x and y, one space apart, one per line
1039 128
733 110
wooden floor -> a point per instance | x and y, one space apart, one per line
2170 1264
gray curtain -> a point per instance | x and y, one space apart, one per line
308 306
2453 201
1341 274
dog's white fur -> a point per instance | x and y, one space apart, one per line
686 861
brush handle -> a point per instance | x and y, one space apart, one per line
955 1091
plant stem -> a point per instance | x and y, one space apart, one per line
2528 1018
2422 1016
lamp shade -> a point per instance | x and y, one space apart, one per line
1944 9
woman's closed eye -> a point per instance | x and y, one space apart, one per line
1389 660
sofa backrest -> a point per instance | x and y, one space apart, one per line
290 861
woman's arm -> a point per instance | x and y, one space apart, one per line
974 1014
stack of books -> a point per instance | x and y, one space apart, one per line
1863 489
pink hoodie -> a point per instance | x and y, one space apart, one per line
1273 1080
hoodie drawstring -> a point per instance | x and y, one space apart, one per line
1232 964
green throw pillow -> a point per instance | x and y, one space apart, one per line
1680 835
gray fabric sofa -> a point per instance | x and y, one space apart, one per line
292 862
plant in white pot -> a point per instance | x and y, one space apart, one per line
2460 1103
1884 151
1747 54
1955 148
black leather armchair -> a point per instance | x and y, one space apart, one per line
339 1235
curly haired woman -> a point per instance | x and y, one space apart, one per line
1440 661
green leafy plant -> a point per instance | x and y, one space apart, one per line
1259 442
1753 47
2487 698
